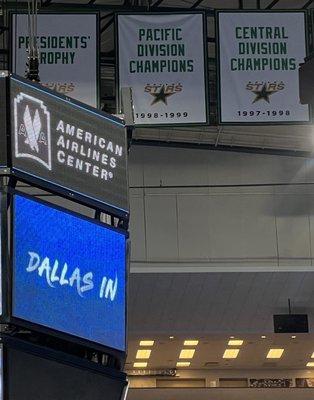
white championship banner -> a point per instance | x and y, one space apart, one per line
259 57
162 58
68 46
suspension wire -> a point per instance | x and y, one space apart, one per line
5 36
35 29
29 28
32 70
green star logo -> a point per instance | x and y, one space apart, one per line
263 94
161 96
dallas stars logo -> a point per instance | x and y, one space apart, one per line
161 96
161 92
263 90
263 94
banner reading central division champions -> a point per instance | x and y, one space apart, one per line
162 58
259 57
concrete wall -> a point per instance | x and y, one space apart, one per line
192 209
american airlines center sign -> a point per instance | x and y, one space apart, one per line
63 143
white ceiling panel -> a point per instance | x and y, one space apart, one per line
209 351
207 303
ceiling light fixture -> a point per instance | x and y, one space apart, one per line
171 337
190 343
187 353
231 353
235 342
143 354
263 337
275 353
140 365
310 364
147 343
183 363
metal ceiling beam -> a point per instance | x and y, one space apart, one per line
308 3
222 147
46 3
22 5
107 25
107 16
157 3
196 4
272 4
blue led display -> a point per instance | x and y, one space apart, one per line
69 274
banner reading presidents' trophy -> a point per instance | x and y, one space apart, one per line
259 57
162 58
68 47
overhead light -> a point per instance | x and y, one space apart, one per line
190 342
171 337
187 353
183 363
140 365
143 354
231 337
147 343
310 364
293 337
275 353
235 342
231 353
263 337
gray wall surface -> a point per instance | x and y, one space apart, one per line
205 210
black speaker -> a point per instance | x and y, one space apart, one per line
291 323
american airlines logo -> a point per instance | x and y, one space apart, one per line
32 130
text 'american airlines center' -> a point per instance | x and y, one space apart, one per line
86 151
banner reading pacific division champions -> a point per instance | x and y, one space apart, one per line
68 47
161 57
259 57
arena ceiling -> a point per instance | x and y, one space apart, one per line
211 307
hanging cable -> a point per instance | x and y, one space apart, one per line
32 66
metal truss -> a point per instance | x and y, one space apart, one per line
151 5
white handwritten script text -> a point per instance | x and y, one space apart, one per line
57 273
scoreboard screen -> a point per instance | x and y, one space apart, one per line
69 273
